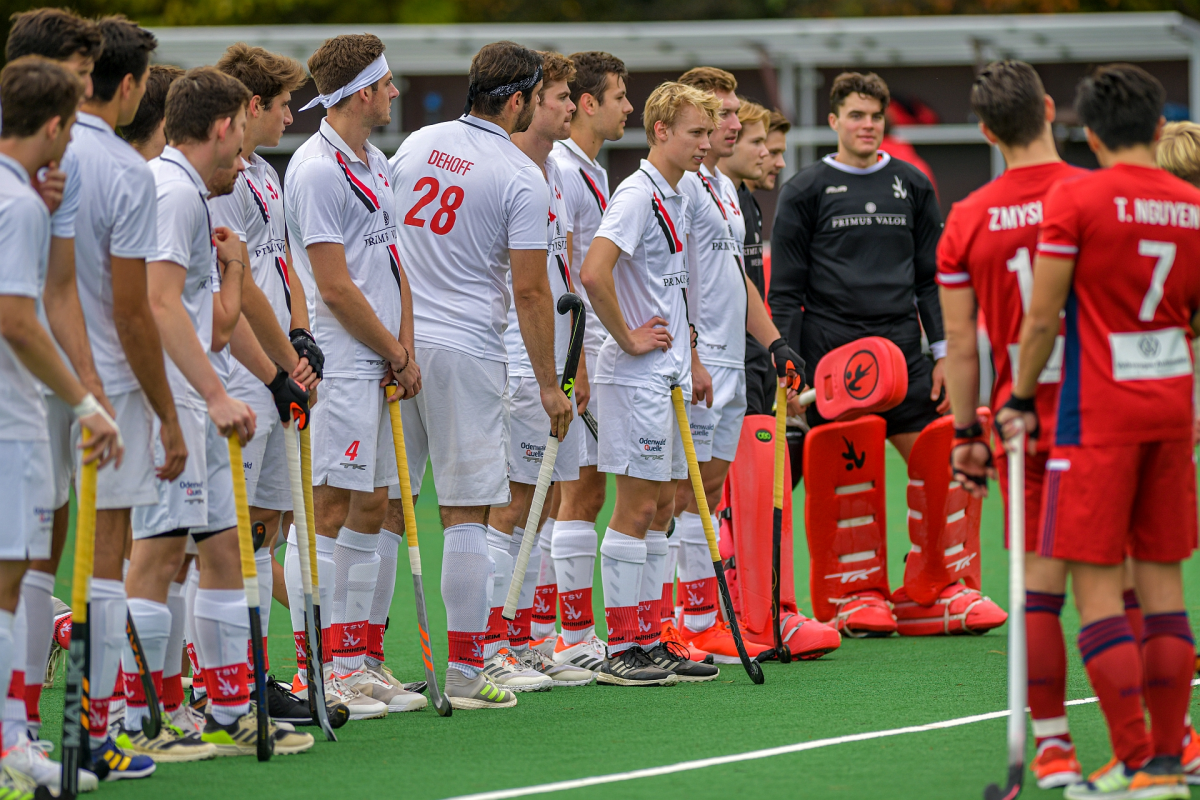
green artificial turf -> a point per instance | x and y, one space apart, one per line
866 685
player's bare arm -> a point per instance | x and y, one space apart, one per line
762 328
300 321
535 314
65 315
227 303
165 285
32 345
597 277
256 309
960 313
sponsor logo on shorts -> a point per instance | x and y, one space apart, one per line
763 435
533 452
652 448
702 431
43 516
247 465
348 465
193 491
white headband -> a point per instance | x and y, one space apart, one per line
368 77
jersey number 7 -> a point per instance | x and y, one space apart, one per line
444 217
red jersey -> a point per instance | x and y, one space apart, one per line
988 245
1127 366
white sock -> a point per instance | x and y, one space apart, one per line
533 571
574 557
263 564
326 578
8 650
295 589
14 707
357 564
175 604
695 564
222 636
465 585
669 572
385 590
547 584
622 561
153 623
649 621
36 590
190 587
107 627
498 544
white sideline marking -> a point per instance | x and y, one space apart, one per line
753 755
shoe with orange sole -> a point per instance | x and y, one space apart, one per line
1056 767
718 641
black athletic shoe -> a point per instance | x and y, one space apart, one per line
672 657
633 667
284 706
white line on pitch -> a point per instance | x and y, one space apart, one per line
753 755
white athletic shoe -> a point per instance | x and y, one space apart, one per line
505 671
377 687
359 705
588 654
186 719
31 759
560 674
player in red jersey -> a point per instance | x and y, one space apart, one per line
985 265
1118 252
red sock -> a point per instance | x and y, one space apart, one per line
300 638
375 641
544 598
497 626
98 720
520 630
1114 666
33 698
667 608
576 606
622 625
1168 656
229 688
649 623
326 651
466 648
197 673
172 692
1046 655
1133 613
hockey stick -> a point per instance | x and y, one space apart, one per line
1018 678
313 641
441 703
153 723
250 579
590 422
316 681
780 650
568 303
752 667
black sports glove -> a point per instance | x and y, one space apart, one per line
306 347
1026 405
290 398
786 358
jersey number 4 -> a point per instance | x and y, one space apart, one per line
352 451
444 217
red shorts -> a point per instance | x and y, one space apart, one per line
1035 476
1104 502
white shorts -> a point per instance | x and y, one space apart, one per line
63 437
264 458
26 484
529 429
640 436
133 484
716 430
352 436
588 455
200 500
459 421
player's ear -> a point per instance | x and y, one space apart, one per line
1158 129
833 118
987 133
1051 109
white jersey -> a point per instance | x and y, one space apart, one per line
334 196
62 221
468 196
25 242
254 211
718 232
561 281
585 194
185 238
649 221
117 217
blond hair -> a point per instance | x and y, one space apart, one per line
1179 151
750 113
665 103
709 79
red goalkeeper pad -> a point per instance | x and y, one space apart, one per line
866 376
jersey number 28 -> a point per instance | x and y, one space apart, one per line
444 217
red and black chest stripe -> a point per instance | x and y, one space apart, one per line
666 224
595 190
258 199
281 267
359 189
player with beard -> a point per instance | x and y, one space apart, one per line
568 538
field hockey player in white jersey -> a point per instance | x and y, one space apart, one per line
342 219
273 304
510 661
637 276
474 209
38 98
568 567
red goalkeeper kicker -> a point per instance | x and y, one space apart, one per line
866 376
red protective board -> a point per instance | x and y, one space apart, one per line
866 376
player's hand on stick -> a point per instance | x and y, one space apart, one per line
303 374
1024 408
230 415
971 461
651 335
308 351
788 364
175 449
406 374
939 387
702 385
287 393
558 408
50 183
105 445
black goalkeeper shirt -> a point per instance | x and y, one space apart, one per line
753 246
856 249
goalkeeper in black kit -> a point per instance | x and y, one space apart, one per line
854 255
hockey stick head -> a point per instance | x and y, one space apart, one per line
571 303
1016 774
866 376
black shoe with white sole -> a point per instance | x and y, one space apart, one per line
633 667
284 706
673 658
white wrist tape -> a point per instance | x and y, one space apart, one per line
88 406
938 349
